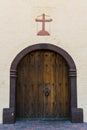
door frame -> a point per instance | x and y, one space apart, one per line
76 114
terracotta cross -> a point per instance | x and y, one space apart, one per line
43 32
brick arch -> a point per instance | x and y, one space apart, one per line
76 114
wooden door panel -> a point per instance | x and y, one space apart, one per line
42 86
47 83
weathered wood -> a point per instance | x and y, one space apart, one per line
41 86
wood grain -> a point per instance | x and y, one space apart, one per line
39 72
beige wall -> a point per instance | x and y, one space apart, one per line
68 31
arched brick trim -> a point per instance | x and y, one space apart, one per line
76 113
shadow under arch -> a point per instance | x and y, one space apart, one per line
76 114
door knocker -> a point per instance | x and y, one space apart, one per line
46 91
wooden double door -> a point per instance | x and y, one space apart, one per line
42 89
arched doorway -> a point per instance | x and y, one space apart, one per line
67 107
42 89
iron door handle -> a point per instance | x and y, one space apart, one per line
46 91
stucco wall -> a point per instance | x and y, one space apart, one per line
68 30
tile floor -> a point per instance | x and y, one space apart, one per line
44 125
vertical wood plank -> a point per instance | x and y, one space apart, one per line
36 71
